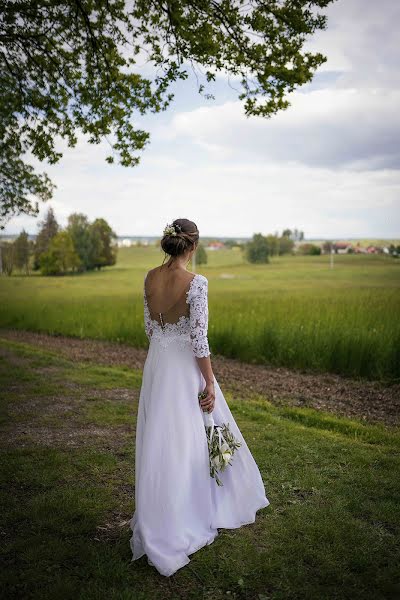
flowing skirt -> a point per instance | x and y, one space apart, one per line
178 506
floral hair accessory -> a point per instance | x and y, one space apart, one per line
171 229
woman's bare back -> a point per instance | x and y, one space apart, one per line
166 293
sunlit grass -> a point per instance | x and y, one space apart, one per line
295 311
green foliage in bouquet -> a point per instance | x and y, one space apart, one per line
222 445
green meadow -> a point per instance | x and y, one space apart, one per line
67 480
294 312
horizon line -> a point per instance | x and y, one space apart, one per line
232 237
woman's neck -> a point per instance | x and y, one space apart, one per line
177 264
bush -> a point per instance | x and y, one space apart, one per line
310 249
61 256
201 255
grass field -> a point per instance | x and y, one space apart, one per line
295 312
67 440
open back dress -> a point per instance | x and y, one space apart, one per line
178 506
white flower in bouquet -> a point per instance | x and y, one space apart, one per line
227 457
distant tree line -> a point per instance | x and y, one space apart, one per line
16 255
81 246
261 247
296 235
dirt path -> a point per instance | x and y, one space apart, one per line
369 400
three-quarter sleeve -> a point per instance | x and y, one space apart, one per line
198 301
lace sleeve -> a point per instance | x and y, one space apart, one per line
198 301
147 319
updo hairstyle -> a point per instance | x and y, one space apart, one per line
179 237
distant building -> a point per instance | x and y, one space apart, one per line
215 246
124 243
343 247
358 249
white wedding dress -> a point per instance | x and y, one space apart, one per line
178 506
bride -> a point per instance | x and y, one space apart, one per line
178 506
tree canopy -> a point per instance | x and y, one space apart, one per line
94 242
81 246
69 67
48 228
61 255
22 251
257 250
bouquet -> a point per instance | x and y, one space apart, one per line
222 444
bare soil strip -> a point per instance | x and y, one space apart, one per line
371 401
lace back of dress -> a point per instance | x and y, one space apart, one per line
174 315
187 320
171 316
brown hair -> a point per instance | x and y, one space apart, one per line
186 236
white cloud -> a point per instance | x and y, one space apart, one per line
361 42
329 165
323 127
239 199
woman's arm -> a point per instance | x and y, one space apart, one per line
206 368
208 402
198 334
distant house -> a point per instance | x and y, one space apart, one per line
358 249
373 250
215 246
343 247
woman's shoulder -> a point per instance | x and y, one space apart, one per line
201 277
197 278
151 272
198 286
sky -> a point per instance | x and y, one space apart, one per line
329 165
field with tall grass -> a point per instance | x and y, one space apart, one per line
294 312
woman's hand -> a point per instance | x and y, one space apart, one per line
208 402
